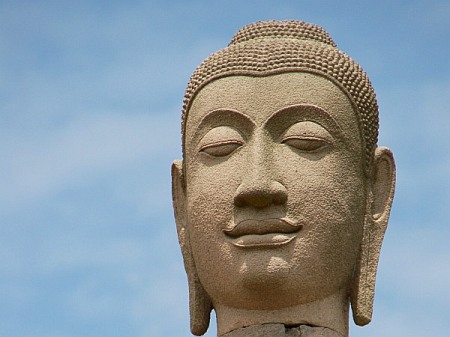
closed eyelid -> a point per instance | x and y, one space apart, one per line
240 125
290 115
306 137
221 148
307 143
308 130
220 141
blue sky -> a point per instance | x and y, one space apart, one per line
90 100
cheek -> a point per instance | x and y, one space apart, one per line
328 196
210 195
211 186
211 189
332 186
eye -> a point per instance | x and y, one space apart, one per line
221 141
306 144
221 149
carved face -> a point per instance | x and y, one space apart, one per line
275 189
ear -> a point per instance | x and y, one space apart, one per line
199 303
383 185
381 194
179 199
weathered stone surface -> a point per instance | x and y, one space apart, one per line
308 331
263 330
279 330
282 198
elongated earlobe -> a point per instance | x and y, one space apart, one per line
378 209
200 305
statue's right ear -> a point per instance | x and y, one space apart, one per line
179 198
199 303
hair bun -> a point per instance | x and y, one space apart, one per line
291 29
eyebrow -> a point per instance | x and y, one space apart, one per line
220 117
292 114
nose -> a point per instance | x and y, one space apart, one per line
259 187
259 196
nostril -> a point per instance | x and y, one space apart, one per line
258 199
239 201
279 198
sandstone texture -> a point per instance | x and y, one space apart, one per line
283 195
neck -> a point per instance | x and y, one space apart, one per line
330 312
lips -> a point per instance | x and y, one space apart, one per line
254 233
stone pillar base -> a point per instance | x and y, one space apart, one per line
279 330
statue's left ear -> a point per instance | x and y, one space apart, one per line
383 185
381 194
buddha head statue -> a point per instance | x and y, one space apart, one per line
282 197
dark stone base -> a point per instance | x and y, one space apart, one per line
280 330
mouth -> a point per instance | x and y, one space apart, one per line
262 233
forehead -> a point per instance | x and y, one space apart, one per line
260 97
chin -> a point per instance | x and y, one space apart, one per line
262 269
263 282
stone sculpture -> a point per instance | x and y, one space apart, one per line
282 197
